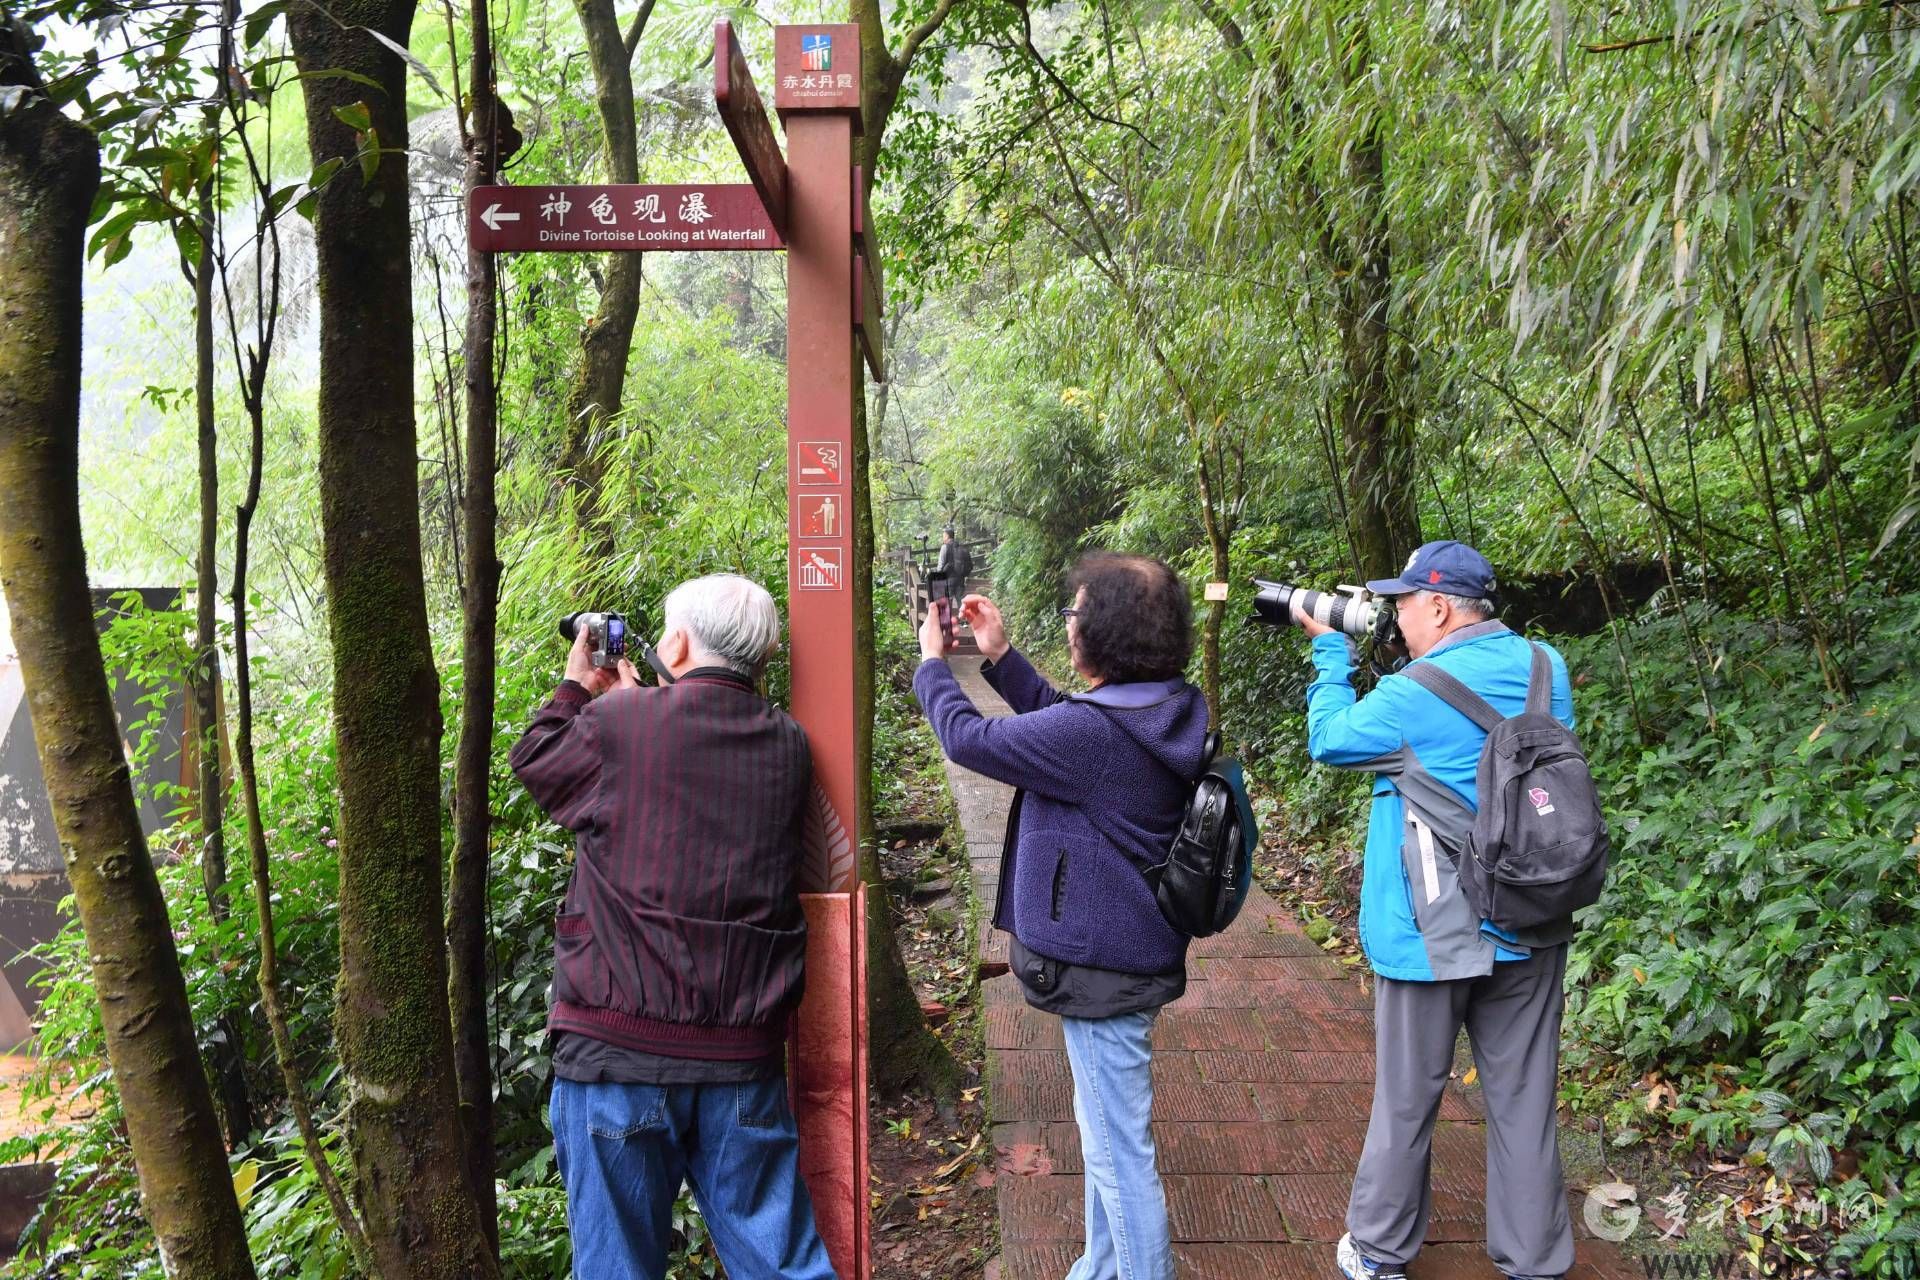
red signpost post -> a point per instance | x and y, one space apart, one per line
810 203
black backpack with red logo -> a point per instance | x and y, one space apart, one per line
1537 851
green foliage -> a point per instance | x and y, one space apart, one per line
1759 924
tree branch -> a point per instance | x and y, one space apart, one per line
1753 24
1026 39
638 29
917 37
1230 33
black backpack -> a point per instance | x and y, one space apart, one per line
1537 851
1203 883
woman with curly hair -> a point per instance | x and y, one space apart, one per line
1103 778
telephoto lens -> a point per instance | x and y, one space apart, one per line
1349 609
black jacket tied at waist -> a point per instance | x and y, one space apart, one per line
681 933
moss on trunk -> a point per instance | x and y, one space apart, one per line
49 170
1383 503
391 1016
473 767
600 381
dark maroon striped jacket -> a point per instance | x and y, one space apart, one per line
681 932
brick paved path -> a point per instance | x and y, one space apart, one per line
1262 1079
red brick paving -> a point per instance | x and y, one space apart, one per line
1213 1260
1263 1077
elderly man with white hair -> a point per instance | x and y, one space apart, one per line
680 947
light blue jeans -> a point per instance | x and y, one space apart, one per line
1127 1236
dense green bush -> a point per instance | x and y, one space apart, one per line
1759 941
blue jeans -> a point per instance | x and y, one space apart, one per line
625 1148
1127 1236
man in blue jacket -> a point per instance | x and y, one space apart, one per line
1439 965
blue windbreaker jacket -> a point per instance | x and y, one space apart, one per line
1415 924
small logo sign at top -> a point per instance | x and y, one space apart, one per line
816 67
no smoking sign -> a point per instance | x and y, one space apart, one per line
818 462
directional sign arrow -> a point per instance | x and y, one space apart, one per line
492 216
570 218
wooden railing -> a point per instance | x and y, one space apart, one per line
916 589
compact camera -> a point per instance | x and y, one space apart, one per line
606 635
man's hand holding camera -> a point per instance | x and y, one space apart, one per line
597 680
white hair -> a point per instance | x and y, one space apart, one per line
1479 606
727 617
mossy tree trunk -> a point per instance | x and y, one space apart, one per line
1383 508
902 1050
600 381
1380 480
473 767
391 1017
49 170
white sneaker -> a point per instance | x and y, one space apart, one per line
1355 1265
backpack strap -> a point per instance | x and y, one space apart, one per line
1540 684
1456 695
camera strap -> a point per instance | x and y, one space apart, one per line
653 660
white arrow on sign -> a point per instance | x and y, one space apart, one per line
492 216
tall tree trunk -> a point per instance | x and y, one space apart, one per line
1217 527
902 1049
391 1016
1383 510
1381 480
49 170
229 1061
473 767
600 381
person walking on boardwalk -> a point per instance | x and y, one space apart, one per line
1102 782
953 568
681 945
1439 964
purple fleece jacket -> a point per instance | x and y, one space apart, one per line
1100 804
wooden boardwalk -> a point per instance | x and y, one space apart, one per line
1263 1076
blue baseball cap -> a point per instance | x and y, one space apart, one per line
1451 568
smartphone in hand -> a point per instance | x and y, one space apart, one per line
944 606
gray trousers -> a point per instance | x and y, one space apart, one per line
1512 1017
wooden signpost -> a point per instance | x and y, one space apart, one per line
811 203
